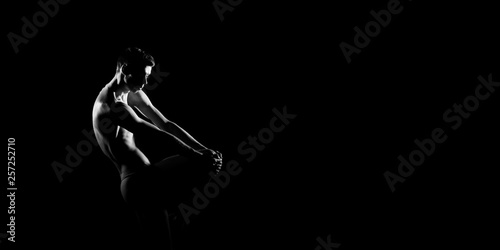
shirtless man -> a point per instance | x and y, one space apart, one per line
150 188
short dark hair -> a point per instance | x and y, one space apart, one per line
135 57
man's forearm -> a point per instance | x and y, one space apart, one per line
182 135
181 147
166 139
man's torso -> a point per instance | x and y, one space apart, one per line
116 142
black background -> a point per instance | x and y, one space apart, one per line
323 175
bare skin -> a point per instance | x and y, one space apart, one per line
116 124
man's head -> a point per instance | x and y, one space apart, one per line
135 66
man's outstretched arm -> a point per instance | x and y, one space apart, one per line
142 102
125 117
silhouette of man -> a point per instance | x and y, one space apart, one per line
150 188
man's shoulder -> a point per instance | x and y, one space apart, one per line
101 109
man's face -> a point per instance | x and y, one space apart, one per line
137 77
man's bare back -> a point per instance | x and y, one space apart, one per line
116 142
